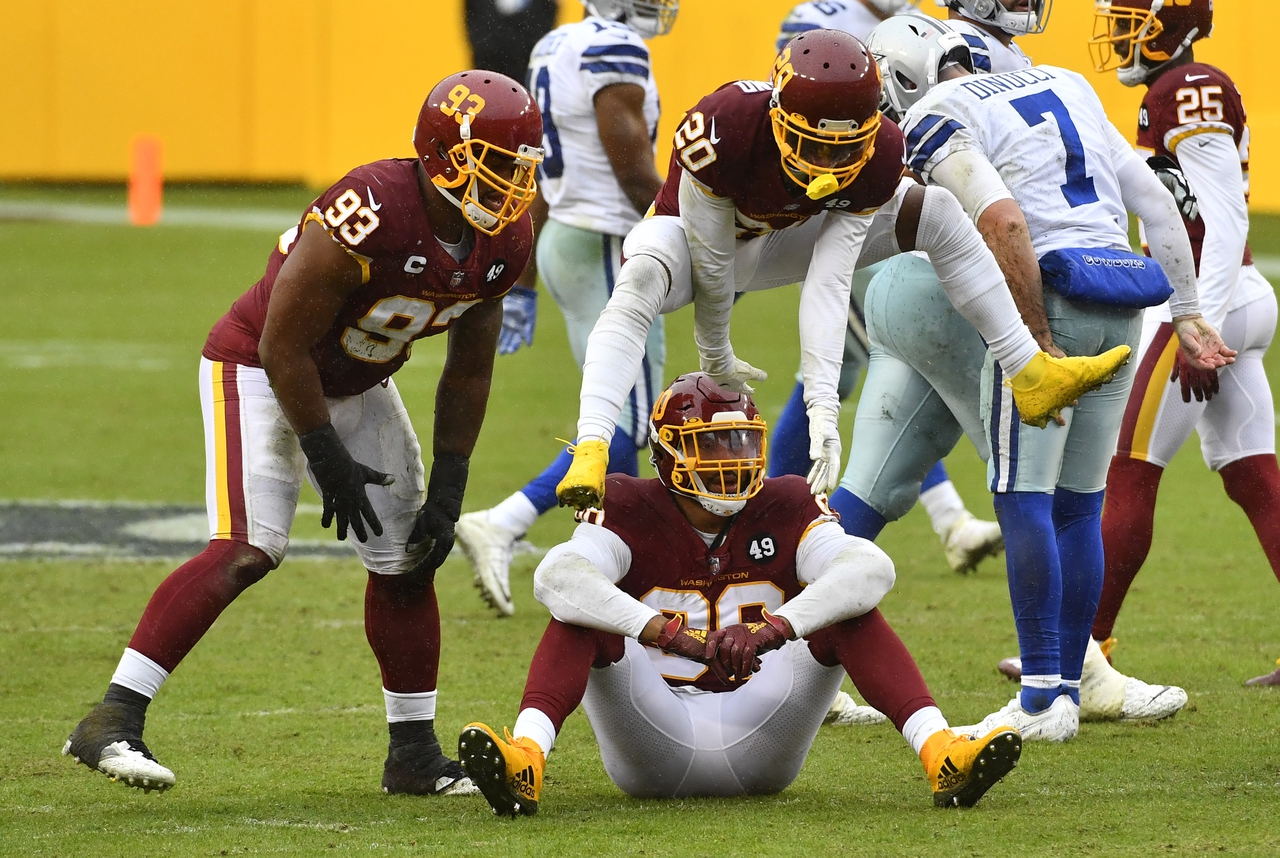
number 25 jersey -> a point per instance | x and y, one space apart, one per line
410 286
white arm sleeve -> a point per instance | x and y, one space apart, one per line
577 582
847 577
824 305
976 184
709 228
1211 163
1167 239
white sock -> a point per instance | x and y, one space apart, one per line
410 706
139 673
516 514
922 724
944 506
615 348
534 724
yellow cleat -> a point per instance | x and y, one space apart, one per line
1049 384
962 768
508 773
583 486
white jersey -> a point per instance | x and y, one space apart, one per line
1045 132
848 16
568 67
989 55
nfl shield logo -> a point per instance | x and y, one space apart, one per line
456 280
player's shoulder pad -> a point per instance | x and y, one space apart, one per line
803 18
613 48
934 120
626 496
508 254
1165 87
358 209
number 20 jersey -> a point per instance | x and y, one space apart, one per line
675 572
410 286
1045 132
569 66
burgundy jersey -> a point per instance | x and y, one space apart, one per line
1186 101
726 143
411 287
752 567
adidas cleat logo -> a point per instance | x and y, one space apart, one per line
949 776
523 783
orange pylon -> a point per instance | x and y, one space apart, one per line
146 180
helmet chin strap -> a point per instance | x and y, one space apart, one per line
722 508
475 214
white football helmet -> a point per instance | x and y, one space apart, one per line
995 13
649 18
911 50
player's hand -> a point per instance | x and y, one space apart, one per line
1171 176
1202 383
824 449
440 511
739 646
519 313
734 374
693 644
342 480
1200 344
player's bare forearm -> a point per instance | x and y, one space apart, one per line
538 210
1005 231
307 296
463 392
625 137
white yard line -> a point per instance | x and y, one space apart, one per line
268 220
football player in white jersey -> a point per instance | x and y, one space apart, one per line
966 539
990 25
599 100
1034 160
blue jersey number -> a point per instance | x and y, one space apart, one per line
1033 109
552 166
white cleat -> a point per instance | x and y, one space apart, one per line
128 766
488 548
971 540
1059 723
1106 694
845 712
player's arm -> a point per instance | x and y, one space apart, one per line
309 292
846 578
625 136
520 306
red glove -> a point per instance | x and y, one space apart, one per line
692 644
738 646
1202 382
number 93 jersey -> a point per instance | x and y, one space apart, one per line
410 286
1045 132
569 66
749 568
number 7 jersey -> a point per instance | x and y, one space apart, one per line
410 286
1045 132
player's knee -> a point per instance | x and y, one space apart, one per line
244 563
405 590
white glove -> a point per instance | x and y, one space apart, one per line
824 449
733 374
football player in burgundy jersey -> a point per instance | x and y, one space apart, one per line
705 620
295 383
1192 119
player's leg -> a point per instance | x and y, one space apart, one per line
509 772
960 769
579 269
402 618
253 471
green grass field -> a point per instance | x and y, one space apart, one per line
275 724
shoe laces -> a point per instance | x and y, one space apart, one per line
1110 643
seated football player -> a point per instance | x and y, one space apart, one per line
295 383
795 180
705 620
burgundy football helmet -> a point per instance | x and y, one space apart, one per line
1136 37
481 129
825 109
708 443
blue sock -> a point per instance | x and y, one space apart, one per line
936 476
789 438
856 517
1035 586
541 490
1077 518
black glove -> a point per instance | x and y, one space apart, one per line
440 511
342 480
1171 176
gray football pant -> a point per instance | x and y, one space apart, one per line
657 742
922 390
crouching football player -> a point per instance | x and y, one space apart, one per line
705 620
